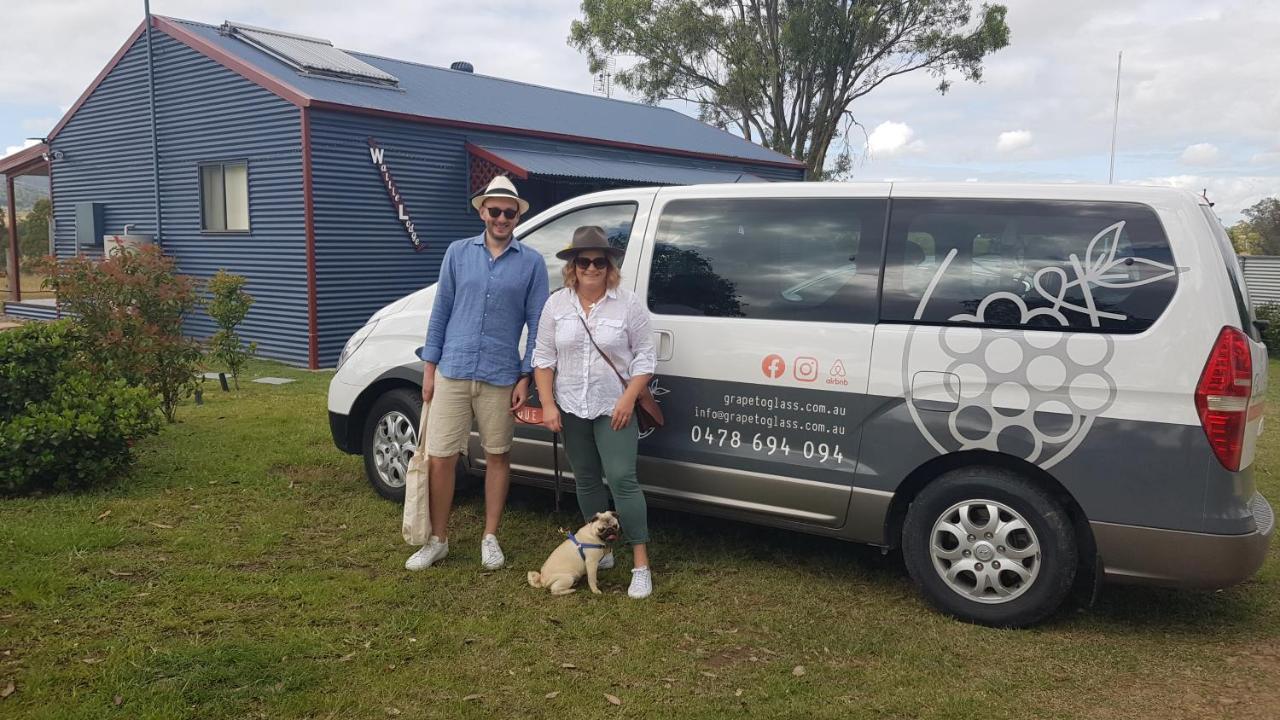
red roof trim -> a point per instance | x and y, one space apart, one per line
115 60
231 62
355 109
505 164
23 160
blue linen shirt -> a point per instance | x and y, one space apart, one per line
482 304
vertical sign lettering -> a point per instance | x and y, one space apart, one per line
378 156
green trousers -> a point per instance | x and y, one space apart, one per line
598 452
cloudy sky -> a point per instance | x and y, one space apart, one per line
1198 104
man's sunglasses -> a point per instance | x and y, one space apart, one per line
601 263
507 213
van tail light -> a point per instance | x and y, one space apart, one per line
1222 396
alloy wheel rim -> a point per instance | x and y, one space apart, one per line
394 442
985 551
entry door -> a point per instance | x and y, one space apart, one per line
763 308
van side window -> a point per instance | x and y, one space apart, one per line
1015 263
556 235
768 258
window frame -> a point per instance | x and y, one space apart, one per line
631 237
204 229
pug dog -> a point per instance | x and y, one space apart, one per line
571 561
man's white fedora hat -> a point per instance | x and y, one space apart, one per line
499 187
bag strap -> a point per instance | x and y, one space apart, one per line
606 357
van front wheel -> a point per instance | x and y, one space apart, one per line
390 440
987 546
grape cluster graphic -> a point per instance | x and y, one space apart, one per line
1031 394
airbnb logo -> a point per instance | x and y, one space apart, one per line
773 366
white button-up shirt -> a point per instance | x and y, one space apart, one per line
585 385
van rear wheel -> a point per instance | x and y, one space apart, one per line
987 546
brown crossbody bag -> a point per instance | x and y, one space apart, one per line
648 412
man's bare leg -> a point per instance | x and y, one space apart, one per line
441 480
497 479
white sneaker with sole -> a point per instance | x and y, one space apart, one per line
641 583
606 562
491 553
434 551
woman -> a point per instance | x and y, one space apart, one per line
592 406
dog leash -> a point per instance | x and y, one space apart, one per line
555 460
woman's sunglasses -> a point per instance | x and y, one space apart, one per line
601 263
507 213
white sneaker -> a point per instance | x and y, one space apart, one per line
434 551
491 553
641 583
606 562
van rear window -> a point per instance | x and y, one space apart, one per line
1086 266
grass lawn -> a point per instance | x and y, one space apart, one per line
246 570
30 285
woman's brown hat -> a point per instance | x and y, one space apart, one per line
590 237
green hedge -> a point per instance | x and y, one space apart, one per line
1270 312
61 426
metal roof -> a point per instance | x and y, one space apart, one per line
308 55
25 160
441 94
534 162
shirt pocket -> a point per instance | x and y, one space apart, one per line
611 334
567 332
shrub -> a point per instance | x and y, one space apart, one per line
228 306
130 308
1270 312
61 425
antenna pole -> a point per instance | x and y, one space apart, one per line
1115 121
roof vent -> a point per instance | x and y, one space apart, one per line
309 56
462 66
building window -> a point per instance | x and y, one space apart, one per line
224 197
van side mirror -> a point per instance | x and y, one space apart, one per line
1261 325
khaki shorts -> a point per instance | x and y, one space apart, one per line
456 403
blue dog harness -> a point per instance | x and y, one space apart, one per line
584 547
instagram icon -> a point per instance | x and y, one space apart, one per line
806 369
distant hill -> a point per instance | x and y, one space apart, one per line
27 190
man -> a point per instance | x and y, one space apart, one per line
491 288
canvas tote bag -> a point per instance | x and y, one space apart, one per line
416 525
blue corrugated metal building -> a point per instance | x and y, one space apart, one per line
295 125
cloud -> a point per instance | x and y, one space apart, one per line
893 138
1013 140
18 148
1229 195
1200 154
1266 158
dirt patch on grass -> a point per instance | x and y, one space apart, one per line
736 655
1250 692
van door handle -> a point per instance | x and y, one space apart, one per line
666 344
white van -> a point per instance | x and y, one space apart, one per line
1022 387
